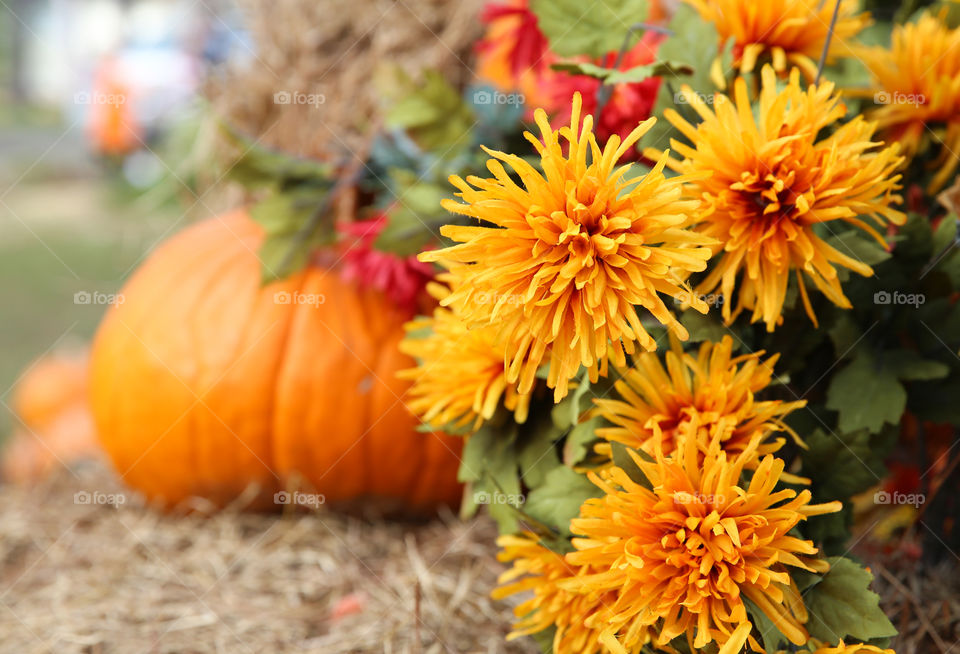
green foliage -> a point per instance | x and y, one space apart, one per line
574 28
258 166
629 76
842 465
866 395
842 606
416 217
295 213
558 499
771 638
296 222
432 112
489 464
693 46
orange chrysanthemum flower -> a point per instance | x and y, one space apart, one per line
710 398
577 617
786 32
684 553
568 256
775 180
919 81
460 378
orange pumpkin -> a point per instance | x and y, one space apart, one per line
54 425
204 382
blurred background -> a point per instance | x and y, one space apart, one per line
94 96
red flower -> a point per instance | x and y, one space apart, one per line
628 105
527 47
402 279
515 56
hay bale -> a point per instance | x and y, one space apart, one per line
91 577
335 49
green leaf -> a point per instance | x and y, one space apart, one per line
580 440
914 238
489 463
844 333
297 222
258 165
910 366
945 234
558 500
538 456
704 327
843 606
574 28
568 411
842 465
855 244
623 460
630 76
416 218
866 395
432 112
771 638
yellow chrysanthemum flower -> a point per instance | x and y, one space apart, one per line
919 90
566 258
460 378
774 180
579 618
709 397
787 32
683 554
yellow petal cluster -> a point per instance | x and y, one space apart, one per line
709 396
779 187
784 33
918 91
567 259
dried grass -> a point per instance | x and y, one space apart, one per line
96 579
336 48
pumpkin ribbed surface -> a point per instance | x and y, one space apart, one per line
203 381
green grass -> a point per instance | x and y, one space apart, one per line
42 267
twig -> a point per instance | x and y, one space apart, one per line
346 180
924 621
826 43
417 644
605 90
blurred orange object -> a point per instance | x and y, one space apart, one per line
112 128
55 426
205 381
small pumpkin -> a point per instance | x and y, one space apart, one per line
53 426
203 381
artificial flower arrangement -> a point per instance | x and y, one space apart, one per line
682 325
